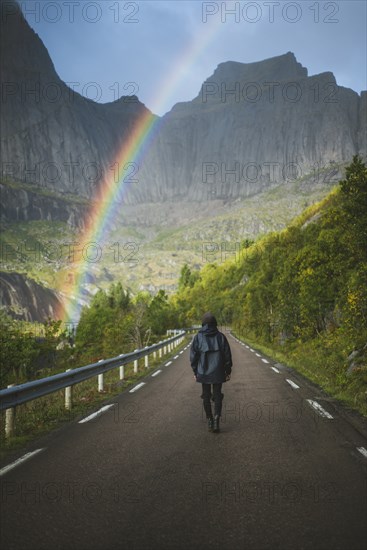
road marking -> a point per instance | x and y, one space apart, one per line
247 347
318 408
167 364
137 387
264 360
253 351
293 384
258 354
363 451
181 352
97 413
19 461
156 372
275 369
175 357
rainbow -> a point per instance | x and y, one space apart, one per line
132 152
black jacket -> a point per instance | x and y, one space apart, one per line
210 356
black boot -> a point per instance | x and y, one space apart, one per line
216 424
210 423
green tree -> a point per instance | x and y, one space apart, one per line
354 190
18 351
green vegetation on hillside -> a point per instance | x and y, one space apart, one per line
301 292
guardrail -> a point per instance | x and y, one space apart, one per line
15 395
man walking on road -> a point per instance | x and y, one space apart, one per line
211 361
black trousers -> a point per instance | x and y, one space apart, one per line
216 396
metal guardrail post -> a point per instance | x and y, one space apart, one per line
68 395
136 363
10 419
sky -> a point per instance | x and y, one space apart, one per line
162 51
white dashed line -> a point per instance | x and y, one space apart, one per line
137 387
19 461
175 357
167 364
363 451
258 354
293 384
264 360
253 351
156 372
97 413
275 369
318 408
181 352
247 347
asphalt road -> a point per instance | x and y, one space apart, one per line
146 474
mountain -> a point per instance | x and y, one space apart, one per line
53 139
258 143
252 126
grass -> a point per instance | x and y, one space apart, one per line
40 416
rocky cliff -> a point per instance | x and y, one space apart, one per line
24 299
51 137
252 126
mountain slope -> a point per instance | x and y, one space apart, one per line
242 158
52 137
252 126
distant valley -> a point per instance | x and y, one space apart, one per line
259 143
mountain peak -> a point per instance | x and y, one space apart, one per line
280 67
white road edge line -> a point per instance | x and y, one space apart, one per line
318 408
97 413
167 364
363 451
137 387
275 369
258 354
264 360
175 357
156 372
293 384
19 461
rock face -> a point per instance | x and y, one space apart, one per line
250 127
18 205
52 137
24 299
